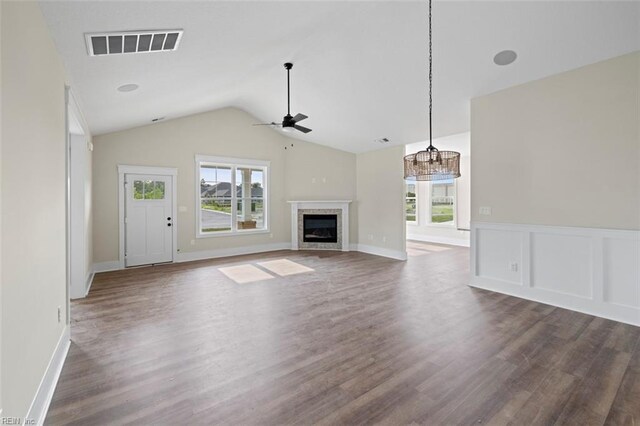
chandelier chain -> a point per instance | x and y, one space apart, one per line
430 82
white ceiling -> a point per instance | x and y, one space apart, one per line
360 68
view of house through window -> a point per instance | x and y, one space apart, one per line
411 209
442 201
232 197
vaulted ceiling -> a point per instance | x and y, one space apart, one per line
360 68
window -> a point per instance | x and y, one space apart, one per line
411 209
442 201
148 190
232 196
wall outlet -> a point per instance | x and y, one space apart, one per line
313 180
485 211
324 180
59 314
384 239
193 242
370 237
513 267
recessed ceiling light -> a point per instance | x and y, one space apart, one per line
128 87
505 57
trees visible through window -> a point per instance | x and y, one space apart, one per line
148 190
411 207
232 196
442 201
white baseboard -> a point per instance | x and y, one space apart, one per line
381 251
440 240
88 283
589 270
261 248
226 252
40 404
107 266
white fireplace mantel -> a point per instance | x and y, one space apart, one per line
342 205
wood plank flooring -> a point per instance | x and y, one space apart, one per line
337 338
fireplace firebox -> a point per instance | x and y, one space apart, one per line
320 228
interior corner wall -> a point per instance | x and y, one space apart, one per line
558 163
380 203
298 169
33 204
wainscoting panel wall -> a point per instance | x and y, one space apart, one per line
595 271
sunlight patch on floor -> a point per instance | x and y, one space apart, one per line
285 267
242 274
413 252
419 248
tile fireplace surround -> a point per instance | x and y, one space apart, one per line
337 207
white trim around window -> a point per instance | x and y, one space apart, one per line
233 164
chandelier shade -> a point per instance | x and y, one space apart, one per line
432 164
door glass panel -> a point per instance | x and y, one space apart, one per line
148 190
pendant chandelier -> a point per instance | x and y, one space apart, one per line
431 164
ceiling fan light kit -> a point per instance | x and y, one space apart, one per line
289 123
431 164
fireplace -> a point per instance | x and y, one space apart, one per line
320 228
320 225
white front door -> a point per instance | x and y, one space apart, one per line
148 219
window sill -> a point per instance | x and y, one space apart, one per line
233 234
441 225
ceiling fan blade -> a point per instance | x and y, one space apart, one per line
267 124
302 129
299 117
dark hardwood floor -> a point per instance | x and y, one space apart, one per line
337 338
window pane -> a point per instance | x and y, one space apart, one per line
410 202
138 190
153 190
250 213
215 215
250 182
215 181
442 201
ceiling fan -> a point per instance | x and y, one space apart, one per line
289 122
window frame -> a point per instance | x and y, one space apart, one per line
234 164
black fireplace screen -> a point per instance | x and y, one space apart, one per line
320 228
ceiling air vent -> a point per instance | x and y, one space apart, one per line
133 42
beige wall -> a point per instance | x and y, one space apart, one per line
227 132
380 189
564 150
33 203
